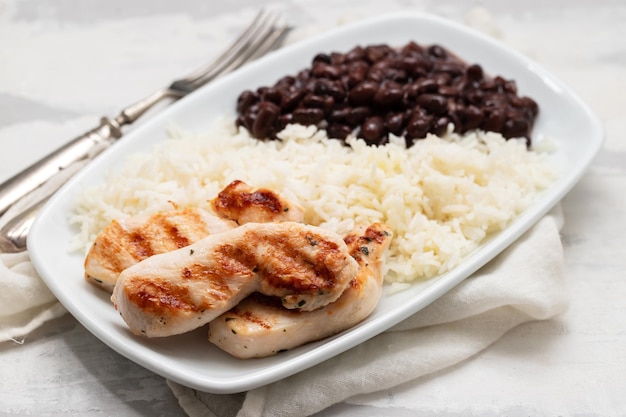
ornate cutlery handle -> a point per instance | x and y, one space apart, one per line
82 148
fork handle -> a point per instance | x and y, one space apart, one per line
84 147
136 110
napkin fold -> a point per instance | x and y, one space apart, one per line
523 283
25 300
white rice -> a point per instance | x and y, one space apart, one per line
441 197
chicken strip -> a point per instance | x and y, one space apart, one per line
260 326
241 203
125 242
175 292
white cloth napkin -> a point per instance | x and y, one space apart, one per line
25 301
522 284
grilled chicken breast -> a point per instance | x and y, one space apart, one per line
243 204
125 242
305 266
260 326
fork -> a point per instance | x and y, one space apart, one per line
264 34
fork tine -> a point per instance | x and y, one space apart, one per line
264 41
262 22
262 44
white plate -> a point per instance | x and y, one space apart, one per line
191 360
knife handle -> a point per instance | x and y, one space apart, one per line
84 147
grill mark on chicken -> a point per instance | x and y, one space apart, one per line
250 316
179 240
284 262
140 246
109 247
260 326
240 202
211 276
156 295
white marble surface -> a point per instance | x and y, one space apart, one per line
65 63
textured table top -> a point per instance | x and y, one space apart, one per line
64 64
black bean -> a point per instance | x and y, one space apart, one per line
338 131
308 116
272 94
376 75
263 126
410 94
292 99
471 117
474 72
375 53
474 97
395 122
326 103
448 90
245 100
324 58
381 65
337 58
495 101
324 86
363 94
326 71
434 103
440 126
418 126
312 100
413 64
452 68
442 78
303 75
510 87
489 85
249 116
494 120
340 115
531 107
372 130
357 73
515 128
412 48
286 82
357 115
395 74
505 86
426 85
437 51
355 54
388 96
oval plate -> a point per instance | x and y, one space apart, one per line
190 359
